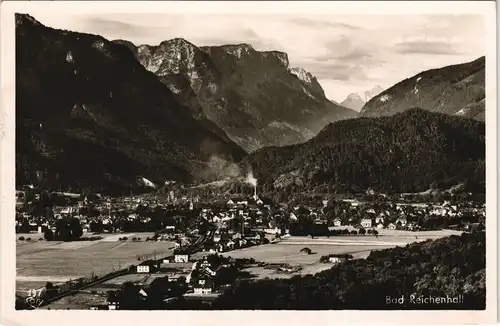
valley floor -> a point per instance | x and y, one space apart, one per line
287 251
40 261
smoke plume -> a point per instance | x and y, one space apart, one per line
218 169
251 179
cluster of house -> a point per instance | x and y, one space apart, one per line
107 210
199 276
399 216
401 222
257 214
244 208
263 216
407 217
237 225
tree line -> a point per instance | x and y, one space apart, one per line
450 266
406 152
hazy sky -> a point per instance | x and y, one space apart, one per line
347 53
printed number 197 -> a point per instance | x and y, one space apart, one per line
34 293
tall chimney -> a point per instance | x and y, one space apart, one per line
255 192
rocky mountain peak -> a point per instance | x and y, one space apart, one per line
238 50
231 86
178 41
170 56
281 56
302 74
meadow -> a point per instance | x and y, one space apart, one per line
116 282
38 262
80 301
288 250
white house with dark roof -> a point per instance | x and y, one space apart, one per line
338 258
143 269
203 286
181 258
366 222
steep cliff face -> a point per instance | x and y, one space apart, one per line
308 79
253 96
455 90
181 67
89 115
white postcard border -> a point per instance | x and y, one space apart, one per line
289 318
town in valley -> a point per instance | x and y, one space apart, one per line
194 248
182 167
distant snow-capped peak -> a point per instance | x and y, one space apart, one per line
354 96
353 101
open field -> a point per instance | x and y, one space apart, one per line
41 261
115 283
79 301
288 250
284 252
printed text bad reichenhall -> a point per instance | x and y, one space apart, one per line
425 299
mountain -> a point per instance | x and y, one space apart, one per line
353 101
455 90
356 101
254 96
88 115
405 152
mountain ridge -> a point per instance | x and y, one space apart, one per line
89 115
254 96
457 89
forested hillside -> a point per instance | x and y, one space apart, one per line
407 152
450 266
88 115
